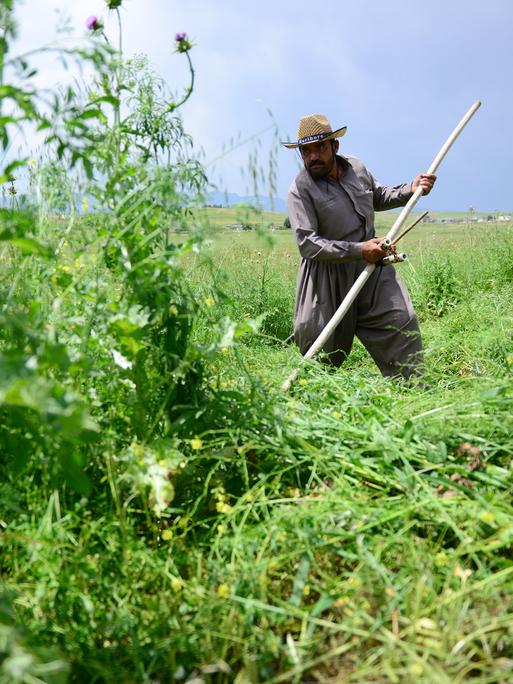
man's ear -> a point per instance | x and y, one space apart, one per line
335 146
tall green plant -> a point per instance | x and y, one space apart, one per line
129 340
40 414
144 181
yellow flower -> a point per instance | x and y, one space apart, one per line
306 590
167 535
416 669
183 522
177 584
223 590
303 382
209 301
196 443
354 582
223 507
487 517
32 163
337 414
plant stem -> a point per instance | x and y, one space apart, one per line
117 108
111 475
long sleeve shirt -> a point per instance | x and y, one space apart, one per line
332 218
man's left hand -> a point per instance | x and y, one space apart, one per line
425 181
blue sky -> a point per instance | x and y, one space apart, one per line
399 74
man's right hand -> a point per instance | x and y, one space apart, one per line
372 252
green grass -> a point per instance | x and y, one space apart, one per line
223 217
351 530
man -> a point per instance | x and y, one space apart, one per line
331 206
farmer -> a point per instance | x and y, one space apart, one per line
331 206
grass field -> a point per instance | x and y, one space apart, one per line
225 220
393 537
351 530
222 217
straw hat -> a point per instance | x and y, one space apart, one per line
313 128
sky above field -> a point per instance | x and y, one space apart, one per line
399 74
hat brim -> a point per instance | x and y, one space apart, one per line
316 138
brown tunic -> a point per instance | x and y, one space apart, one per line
331 219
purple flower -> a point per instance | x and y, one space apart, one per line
183 44
93 23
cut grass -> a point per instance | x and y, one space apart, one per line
352 530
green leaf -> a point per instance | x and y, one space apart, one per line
74 473
4 120
91 114
20 448
7 173
109 99
30 246
300 580
88 167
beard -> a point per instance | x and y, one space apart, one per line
318 169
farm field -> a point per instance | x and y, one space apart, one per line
168 513
223 217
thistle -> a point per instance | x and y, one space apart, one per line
183 44
93 23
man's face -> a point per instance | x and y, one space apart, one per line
319 157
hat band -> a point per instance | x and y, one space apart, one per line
313 138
